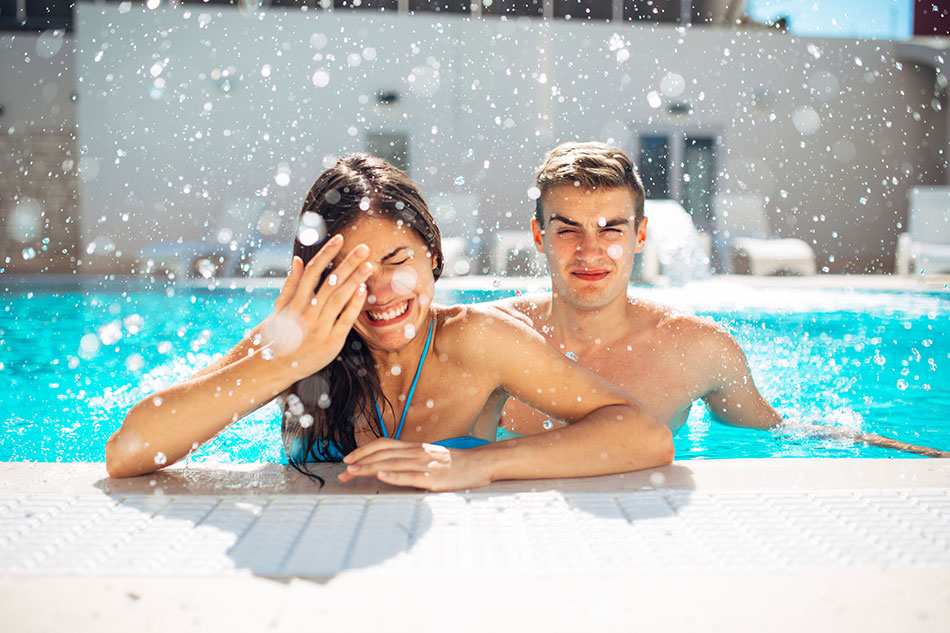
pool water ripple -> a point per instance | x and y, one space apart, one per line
75 357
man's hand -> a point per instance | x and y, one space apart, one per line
416 465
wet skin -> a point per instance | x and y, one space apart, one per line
665 359
382 284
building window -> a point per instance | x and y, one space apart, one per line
652 10
440 6
366 5
513 7
33 15
391 146
584 9
655 165
680 165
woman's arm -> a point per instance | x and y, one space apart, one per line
247 345
305 336
609 431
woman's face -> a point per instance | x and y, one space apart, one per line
400 290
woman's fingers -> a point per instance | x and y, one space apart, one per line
351 312
312 271
290 284
418 454
407 479
341 273
331 305
381 444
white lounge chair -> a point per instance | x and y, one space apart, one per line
925 247
674 248
743 230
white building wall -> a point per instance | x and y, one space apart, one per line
481 101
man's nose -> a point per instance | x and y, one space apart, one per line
589 246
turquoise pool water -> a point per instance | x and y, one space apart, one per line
75 356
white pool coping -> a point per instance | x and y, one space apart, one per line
780 544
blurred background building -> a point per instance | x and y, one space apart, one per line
180 137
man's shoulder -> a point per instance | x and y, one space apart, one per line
683 326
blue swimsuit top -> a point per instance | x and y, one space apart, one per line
329 451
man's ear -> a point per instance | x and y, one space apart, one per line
538 234
641 236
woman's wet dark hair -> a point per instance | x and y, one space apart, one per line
320 411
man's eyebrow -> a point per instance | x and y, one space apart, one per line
393 253
563 220
614 222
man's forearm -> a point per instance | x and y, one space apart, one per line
610 440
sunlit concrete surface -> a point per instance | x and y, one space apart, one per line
729 545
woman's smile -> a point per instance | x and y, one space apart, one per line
388 315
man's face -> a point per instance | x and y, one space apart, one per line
589 240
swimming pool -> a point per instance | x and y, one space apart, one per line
75 355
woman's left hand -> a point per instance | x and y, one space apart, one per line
426 466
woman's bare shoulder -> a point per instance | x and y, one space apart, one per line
480 326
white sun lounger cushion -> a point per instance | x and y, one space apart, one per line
770 257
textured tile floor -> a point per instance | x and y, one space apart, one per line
477 533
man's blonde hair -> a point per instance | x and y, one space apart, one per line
590 165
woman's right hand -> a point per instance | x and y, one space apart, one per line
308 329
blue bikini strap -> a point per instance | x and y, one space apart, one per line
412 389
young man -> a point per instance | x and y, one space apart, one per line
589 223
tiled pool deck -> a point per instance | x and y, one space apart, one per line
782 544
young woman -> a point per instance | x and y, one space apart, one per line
370 372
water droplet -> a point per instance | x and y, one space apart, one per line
133 323
672 84
28 253
806 120
88 345
404 280
160 458
460 181
321 79
312 228
134 362
110 333
409 331
306 420
205 267
396 370
547 425
534 193
902 384
324 401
